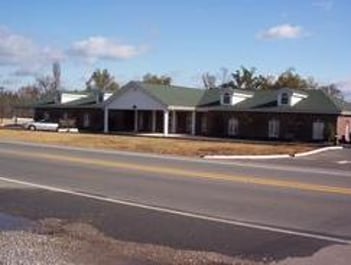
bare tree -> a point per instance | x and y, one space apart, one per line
56 72
333 91
209 80
45 84
225 75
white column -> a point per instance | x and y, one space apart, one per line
165 122
106 120
153 121
193 123
136 121
174 122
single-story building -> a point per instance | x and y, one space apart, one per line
285 114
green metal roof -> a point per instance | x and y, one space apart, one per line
174 95
317 101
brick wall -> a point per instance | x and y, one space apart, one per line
342 124
254 125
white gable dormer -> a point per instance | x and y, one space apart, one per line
288 97
232 97
68 97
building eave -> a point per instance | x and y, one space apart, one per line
185 108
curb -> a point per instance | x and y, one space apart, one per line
259 157
68 130
319 150
245 156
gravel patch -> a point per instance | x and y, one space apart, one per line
54 241
333 255
23 248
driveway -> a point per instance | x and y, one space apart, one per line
334 159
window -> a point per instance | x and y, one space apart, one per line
188 122
203 124
318 131
284 100
227 98
46 116
273 128
233 127
86 120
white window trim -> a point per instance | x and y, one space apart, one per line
282 96
233 127
273 128
86 120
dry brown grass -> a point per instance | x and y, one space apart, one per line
153 145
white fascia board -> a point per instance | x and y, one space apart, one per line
242 95
181 108
299 95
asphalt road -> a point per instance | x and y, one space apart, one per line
332 160
242 208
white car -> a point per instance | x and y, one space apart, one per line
42 125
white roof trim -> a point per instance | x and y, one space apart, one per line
181 108
299 95
240 94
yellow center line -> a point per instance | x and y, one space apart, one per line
188 173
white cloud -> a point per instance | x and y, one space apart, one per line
24 54
325 5
28 58
23 72
284 31
15 49
97 47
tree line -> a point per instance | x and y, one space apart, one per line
47 86
248 78
103 81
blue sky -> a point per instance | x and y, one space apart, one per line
179 38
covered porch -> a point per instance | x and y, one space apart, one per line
158 121
140 108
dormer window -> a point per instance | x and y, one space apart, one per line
234 96
227 98
290 97
284 100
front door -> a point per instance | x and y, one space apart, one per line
318 131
